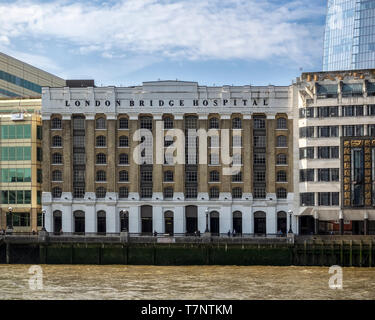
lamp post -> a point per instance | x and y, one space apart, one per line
290 212
207 230
43 220
10 218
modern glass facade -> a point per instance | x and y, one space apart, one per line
349 39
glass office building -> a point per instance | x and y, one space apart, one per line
349 40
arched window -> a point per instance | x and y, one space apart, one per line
168 123
101 176
281 123
56 141
101 192
281 193
123 176
56 158
56 175
214 193
236 123
237 193
101 158
56 192
124 141
168 176
101 141
281 176
100 123
214 123
123 192
168 193
123 123
281 141
56 123
123 158
214 176
281 159
101 221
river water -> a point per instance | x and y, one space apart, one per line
187 282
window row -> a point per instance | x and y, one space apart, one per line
16 175
323 153
15 153
18 131
324 175
16 197
323 199
328 112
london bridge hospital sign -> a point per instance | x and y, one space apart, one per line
171 103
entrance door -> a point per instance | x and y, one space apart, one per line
306 225
281 222
102 228
168 222
79 222
260 223
357 227
214 223
57 221
237 222
146 216
191 213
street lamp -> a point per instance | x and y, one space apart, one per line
10 218
43 220
207 231
290 221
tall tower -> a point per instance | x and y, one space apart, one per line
349 39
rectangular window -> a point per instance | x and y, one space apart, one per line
39 177
39 154
307 199
39 132
324 198
306 153
27 196
21 219
39 197
26 153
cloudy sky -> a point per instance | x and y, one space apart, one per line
125 42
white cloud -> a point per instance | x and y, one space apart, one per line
186 29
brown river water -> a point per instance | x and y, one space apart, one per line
187 282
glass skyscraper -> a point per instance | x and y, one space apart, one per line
349 39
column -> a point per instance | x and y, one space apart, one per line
112 219
247 141
67 219
271 220
134 219
226 221
46 144
90 219
247 220
158 146
48 222
67 154
134 168
366 224
270 155
111 154
341 219
157 219
179 220
179 171
90 156
202 219
202 168
34 218
226 190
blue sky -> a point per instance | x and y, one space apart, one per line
126 42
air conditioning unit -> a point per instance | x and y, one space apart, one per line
17 116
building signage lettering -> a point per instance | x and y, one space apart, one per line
170 103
